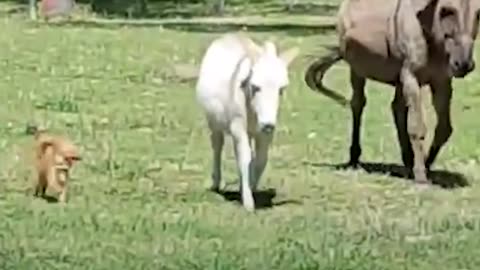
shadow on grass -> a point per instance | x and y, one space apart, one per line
205 27
442 178
290 28
312 9
29 192
176 9
263 199
49 199
15 10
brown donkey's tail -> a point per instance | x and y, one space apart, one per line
316 71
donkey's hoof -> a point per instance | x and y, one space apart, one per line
214 189
422 185
352 165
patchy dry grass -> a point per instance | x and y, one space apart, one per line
139 199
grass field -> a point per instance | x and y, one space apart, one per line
139 199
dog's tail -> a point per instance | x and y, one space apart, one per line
34 130
42 139
316 71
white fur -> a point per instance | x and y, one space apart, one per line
236 111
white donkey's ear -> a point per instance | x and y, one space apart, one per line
270 48
289 55
243 71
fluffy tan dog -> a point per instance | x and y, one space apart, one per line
54 157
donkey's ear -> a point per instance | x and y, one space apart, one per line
425 12
270 48
289 55
421 5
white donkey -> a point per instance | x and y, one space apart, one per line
239 88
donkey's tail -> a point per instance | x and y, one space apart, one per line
316 71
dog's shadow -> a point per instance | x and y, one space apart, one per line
441 178
46 197
264 199
50 199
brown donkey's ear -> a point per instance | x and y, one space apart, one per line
420 5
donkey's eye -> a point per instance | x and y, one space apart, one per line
281 91
255 89
448 36
447 12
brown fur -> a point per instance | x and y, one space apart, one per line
406 44
54 157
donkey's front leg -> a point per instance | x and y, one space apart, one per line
262 144
217 142
243 155
416 127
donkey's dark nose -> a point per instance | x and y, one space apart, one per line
470 66
268 128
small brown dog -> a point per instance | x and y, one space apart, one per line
54 157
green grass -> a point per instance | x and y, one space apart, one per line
138 200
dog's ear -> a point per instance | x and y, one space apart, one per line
42 144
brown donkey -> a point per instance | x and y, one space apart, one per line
406 44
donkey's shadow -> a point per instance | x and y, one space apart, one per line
263 198
442 178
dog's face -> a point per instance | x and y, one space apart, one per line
455 27
67 153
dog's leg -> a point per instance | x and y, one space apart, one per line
63 195
441 98
40 189
357 105
217 141
61 185
262 143
415 122
57 180
243 155
37 190
399 111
